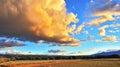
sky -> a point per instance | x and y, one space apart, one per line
59 27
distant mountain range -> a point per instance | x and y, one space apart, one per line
108 52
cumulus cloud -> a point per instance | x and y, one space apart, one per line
4 43
57 51
37 20
104 10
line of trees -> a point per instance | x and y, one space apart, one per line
10 57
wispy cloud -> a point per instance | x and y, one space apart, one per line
5 43
90 38
77 53
109 38
104 10
57 51
14 51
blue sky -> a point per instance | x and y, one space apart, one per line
95 36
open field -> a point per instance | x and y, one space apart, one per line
65 63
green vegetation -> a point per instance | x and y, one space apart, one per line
52 57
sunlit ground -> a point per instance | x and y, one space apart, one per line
65 63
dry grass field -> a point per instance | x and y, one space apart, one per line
65 63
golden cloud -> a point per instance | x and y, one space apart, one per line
80 27
102 31
109 38
37 20
100 20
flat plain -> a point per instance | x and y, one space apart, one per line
64 63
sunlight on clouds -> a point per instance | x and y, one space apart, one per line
102 31
79 28
105 12
109 38
51 22
38 20
100 20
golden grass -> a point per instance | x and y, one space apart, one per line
91 63
66 63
